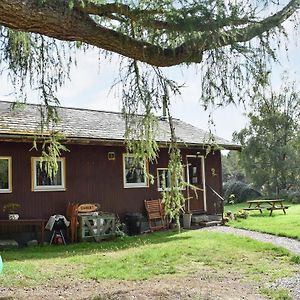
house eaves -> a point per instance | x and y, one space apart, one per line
84 126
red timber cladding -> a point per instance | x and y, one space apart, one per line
90 177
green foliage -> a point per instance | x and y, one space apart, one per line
241 214
173 197
231 167
51 148
296 259
291 195
144 93
237 192
271 142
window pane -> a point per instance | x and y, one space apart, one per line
134 173
43 180
4 176
164 179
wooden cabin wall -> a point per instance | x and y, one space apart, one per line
90 177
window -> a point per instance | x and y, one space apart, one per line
134 173
40 180
163 179
5 175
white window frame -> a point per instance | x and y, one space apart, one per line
9 189
135 184
47 188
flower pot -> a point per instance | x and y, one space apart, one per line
13 217
187 218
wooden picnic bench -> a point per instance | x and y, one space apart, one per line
268 204
37 224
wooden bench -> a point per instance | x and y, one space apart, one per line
254 208
37 224
283 208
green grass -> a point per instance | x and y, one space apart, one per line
150 256
277 294
279 224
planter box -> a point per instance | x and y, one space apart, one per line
96 228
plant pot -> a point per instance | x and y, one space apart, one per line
187 218
13 216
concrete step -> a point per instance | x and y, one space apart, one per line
210 223
205 218
8 244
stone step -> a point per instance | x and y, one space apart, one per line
8 244
206 218
210 223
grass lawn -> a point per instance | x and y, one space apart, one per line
279 224
149 256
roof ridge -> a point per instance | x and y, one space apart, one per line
64 107
160 118
101 125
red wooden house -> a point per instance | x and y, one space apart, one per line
97 168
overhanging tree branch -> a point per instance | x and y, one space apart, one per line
246 34
150 18
55 19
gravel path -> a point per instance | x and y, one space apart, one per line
290 244
292 284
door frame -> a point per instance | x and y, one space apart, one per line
203 179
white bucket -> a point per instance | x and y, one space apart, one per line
187 218
1 264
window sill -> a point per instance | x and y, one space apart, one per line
135 186
49 189
168 189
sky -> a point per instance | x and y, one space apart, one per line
90 87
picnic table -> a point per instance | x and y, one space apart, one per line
269 204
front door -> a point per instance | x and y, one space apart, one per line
196 177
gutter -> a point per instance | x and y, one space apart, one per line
19 137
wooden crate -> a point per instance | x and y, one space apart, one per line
96 228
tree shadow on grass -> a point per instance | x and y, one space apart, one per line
87 248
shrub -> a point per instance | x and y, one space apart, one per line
237 191
292 196
241 214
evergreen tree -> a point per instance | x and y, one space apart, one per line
271 143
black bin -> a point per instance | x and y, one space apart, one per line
133 223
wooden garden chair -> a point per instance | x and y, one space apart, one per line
156 214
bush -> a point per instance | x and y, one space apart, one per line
237 192
292 196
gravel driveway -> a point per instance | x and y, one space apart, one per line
292 284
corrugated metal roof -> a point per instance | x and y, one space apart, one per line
96 125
